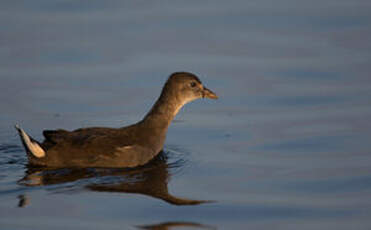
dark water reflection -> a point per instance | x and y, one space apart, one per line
175 225
151 180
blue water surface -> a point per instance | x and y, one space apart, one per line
286 146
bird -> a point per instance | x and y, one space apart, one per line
123 147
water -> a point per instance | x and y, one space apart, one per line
287 145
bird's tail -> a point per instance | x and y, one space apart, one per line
32 147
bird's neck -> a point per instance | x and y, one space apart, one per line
157 121
162 113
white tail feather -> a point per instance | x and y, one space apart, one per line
32 146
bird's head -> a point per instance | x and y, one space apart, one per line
186 87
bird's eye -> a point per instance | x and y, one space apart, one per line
193 84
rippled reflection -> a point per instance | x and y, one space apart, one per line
151 180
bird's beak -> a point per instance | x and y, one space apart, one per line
206 93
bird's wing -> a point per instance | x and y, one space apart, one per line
60 135
103 147
55 136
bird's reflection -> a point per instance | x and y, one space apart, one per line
151 179
23 201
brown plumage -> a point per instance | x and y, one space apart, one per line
129 146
